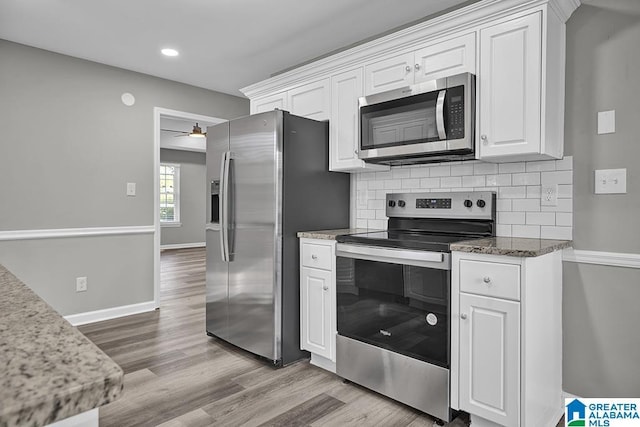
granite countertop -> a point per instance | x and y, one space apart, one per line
511 246
48 370
330 234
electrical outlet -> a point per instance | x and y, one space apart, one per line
81 284
549 195
611 181
131 188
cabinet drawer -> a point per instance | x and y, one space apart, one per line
316 256
490 278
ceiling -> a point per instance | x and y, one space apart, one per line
224 45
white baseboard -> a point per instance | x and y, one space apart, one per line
110 313
183 246
614 259
58 233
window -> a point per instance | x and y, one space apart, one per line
169 193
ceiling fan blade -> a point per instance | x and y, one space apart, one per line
175 131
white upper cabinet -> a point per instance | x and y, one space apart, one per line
346 88
434 61
515 48
269 103
520 116
310 100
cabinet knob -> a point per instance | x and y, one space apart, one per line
487 279
325 287
314 257
417 66
463 316
407 68
355 152
484 139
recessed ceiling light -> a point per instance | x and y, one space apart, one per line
170 52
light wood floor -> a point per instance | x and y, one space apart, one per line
175 375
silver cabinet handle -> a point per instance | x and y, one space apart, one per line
325 287
407 68
487 279
314 257
463 316
417 66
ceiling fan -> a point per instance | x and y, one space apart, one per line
195 133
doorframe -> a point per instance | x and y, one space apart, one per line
158 114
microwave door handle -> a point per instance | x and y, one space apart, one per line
442 132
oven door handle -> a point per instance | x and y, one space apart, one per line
438 260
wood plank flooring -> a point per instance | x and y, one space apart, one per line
175 375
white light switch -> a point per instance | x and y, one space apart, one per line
606 122
131 188
611 181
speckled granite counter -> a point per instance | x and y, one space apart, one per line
511 246
48 370
330 234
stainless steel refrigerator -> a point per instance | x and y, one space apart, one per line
268 177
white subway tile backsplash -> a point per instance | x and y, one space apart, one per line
526 205
503 230
419 172
511 217
512 192
530 178
485 168
517 184
503 205
451 181
511 167
540 166
557 177
440 171
411 183
430 183
564 219
530 231
559 233
459 170
473 181
564 164
541 218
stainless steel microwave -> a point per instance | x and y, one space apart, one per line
427 122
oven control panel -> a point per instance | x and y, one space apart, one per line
467 204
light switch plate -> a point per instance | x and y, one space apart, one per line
611 181
606 122
131 188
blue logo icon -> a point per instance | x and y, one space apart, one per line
576 413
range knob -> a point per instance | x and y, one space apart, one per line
481 203
392 203
468 203
401 203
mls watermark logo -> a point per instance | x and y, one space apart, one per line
602 412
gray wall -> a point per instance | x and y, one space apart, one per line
601 316
193 176
71 171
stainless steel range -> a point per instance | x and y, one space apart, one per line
393 296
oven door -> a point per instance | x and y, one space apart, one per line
395 299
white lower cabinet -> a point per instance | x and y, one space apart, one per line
506 339
318 301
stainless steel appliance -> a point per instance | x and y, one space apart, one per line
269 179
393 296
427 122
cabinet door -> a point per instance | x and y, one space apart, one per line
446 58
269 103
391 73
489 358
509 86
310 100
316 331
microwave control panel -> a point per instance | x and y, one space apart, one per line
455 112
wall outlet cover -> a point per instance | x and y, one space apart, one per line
81 284
131 188
549 195
611 181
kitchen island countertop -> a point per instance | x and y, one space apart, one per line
48 369
511 246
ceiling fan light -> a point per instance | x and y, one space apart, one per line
197 132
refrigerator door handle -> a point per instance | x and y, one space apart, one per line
224 206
